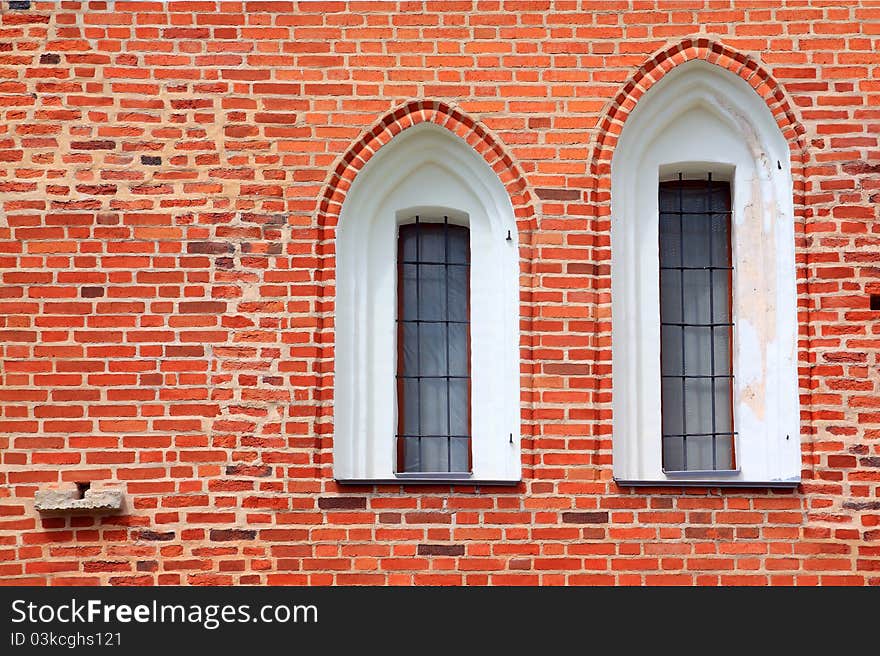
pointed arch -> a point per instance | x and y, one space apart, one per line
654 69
414 112
696 110
424 158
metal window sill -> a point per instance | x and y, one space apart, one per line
434 476
427 479
699 479
701 473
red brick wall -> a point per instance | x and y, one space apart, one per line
170 177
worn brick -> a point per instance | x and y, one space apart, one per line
585 518
338 503
229 534
441 550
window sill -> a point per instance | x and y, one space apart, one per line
426 479
699 479
434 476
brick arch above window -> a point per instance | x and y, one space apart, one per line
654 69
413 113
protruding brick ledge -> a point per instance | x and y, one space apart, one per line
63 499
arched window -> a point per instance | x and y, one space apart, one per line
703 288
427 334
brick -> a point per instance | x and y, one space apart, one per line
227 535
105 144
201 307
337 503
558 194
585 517
440 550
213 248
163 536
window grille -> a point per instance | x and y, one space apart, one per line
433 348
696 325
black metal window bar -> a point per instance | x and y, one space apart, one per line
433 348
696 325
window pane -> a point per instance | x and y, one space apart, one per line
432 292
407 243
410 348
432 349
699 452
670 351
411 454
435 454
722 351
673 453
409 292
432 407
720 240
459 454
431 243
670 295
695 240
698 406
459 403
670 243
671 393
721 296
457 294
723 418
459 362
695 330
668 199
697 351
696 296
409 407
459 245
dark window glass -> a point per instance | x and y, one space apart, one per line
696 326
433 348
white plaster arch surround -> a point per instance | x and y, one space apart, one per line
429 171
702 118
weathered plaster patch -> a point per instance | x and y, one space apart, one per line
755 285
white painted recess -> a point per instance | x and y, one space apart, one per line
429 171
696 119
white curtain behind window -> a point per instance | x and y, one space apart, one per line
434 365
695 344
